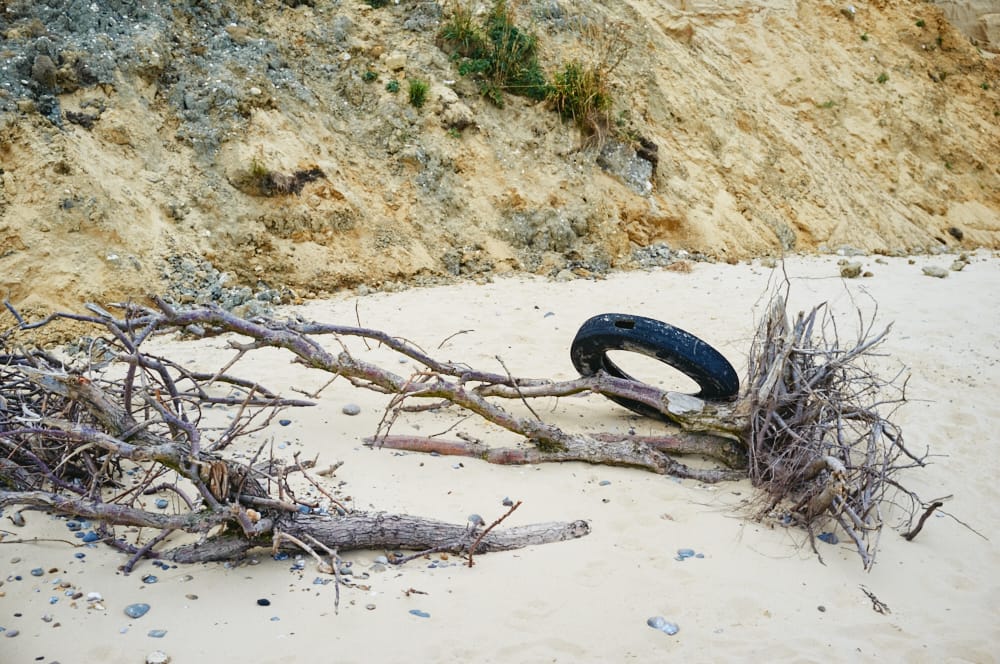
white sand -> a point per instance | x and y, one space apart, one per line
756 594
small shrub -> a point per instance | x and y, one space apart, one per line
920 23
580 93
392 86
376 4
864 36
369 76
418 92
882 78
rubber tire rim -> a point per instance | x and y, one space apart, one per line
668 344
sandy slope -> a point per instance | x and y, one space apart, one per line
755 595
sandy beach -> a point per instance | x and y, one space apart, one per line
756 592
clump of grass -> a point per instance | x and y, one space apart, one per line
369 76
580 93
882 78
497 53
392 86
921 23
418 92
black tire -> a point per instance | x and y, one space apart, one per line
671 345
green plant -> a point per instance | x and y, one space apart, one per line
369 76
984 85
882 78
418 92
392 86
455 132
500 55
920 23
377 4
829 103
580 93
864 36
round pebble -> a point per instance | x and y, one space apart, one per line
507 502
90 536
73 525
381 560
684 553
150 578
604 483
157 633
351 409
157 657
94 597
161 503
476 520
11 633
38 571
263 601
284 423
80 555
136 610
370 607
664 625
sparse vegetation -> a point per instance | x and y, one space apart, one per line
392 86
882 78
418 92
369 76
499 55
580 93
864 36
921 23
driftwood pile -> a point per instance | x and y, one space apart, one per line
810 431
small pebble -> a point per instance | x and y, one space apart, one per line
81 555
507 502
281 555
275 618
351 409
191 596
829 538
604 483
47 618
284 423
684 553
419 613
263 601
664 625
13 632
304 509
821 608
136 610
73 525
476 520
370 607
150 578
157 657
38 571
94 597
162 503
381 560
53 600
90 536
157 633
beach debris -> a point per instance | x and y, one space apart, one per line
828 537
935 271
136 610
849 270
664 625
878 606
157 657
